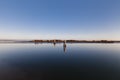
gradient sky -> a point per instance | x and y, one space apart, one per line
60 19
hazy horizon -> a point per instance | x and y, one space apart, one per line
60 19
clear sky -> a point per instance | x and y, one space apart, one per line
60 19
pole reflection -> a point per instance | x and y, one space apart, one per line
54 44
64 47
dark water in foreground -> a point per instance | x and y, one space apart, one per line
48 62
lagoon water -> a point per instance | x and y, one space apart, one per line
78 61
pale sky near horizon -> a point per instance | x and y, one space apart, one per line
60 19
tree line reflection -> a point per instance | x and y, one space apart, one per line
54 44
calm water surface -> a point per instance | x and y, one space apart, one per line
57 62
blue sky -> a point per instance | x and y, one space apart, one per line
60 19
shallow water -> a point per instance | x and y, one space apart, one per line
57 62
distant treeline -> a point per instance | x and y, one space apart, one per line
58 41
76 41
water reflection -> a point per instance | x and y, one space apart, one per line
54 44
64 47
43 62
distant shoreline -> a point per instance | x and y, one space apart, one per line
75 41
59 41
